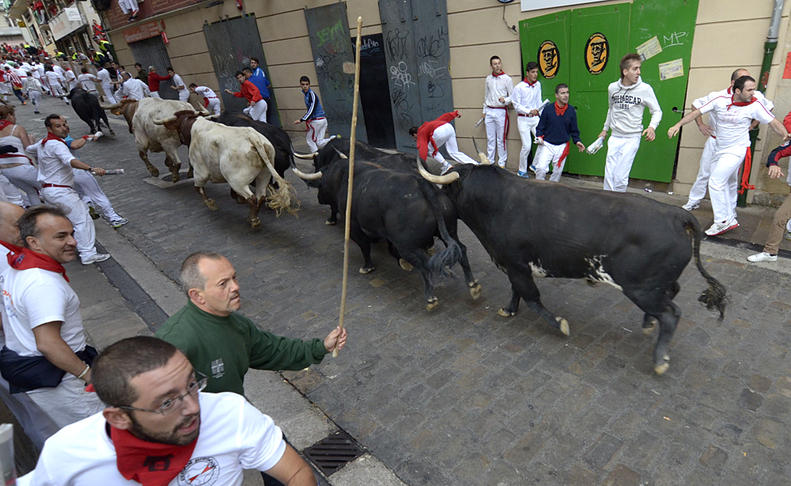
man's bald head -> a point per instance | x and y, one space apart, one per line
738 74
9 215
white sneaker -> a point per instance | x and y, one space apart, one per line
98 257
720 228
691 206
762 257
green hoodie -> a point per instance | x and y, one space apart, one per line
224 348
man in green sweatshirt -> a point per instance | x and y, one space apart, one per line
223 344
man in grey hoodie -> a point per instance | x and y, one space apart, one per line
627 98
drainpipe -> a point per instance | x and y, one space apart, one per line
769 49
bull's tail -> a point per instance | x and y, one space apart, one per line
714 297
284 196
441 262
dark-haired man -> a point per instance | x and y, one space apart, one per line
55 161
627 98
556 125
178 85
222 343
526 100
314 118
498 86
46 354
735 113
256 106
259 79
158 429
432 135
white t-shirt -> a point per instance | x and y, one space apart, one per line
207 92
34 297
179 83
54 78
526 97
733 122
134 89
104 77
70 78
727 92
54 163
86 81
58 69
234 436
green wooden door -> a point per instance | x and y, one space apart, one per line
533 33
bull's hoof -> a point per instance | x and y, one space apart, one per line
431 251
505 313
663 366
331 222
649 326
405 265
153 171
563 325
255 222
189 173
112 132
365 270
475 290
432 304
211 204
591 282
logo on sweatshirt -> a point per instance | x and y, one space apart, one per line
548 59
217 368
597 53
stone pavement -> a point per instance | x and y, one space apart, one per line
460 394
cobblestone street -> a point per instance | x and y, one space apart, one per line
462 396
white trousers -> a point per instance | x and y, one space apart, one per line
35 97
56 89
38 426
620 157
108 93
214 106
257 111
90 191
128 6
527 132
698 191
77 212
446 135
726 164
495 134
24 177
317 127
68 402
547 154
10 193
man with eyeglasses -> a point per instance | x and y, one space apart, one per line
158 429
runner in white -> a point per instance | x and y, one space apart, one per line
430 136
107 84
698 190
87 81
527 102
210 95
132 88
71 79
495 110
178 85
627 98
734 115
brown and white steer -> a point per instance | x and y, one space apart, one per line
236 155
126 108
150 136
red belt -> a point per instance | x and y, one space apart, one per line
520 114
45 184
15 155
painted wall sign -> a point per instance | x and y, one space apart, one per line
528 5
548 59
597 53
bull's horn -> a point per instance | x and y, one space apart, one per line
445 179
166 120
110 107
306 156
340 154
308 177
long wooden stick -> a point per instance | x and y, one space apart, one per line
352 142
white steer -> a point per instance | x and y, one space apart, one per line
236 155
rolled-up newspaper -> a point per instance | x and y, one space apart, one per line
595 146
111 171
7 466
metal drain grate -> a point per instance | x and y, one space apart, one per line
333 452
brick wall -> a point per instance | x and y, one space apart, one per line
115 18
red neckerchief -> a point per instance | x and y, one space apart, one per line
149 463
25 258
498 75
52 136
5 123
729 90
529 83
560 111
739 103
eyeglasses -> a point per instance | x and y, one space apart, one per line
170 404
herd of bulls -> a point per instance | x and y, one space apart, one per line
529 228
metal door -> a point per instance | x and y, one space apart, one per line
418 56
152 52
232 43
333 58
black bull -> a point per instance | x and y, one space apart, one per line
403 209
87 107
536 228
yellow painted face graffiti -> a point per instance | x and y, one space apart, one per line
597 53
548 59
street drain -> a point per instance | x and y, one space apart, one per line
333 452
